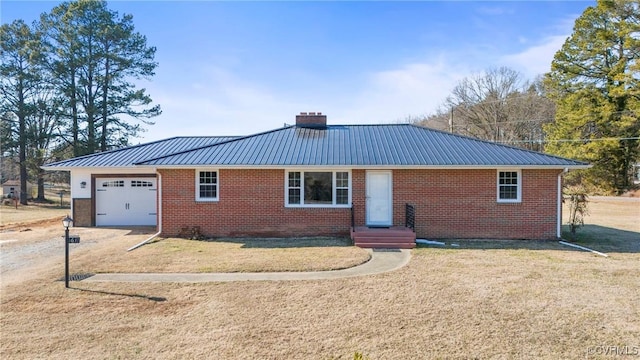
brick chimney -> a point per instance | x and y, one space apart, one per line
311 120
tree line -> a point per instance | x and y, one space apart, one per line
67 86
586 108
496 105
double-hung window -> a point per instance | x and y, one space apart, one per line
206 185
318 188
509 186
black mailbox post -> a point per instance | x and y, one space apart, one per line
75 239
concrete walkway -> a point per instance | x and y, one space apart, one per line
381 261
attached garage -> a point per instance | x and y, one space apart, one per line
110 189
126 201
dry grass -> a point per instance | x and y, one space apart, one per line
9 215
34 212
532 300
228 255
613 224
618 213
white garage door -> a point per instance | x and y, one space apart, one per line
125 201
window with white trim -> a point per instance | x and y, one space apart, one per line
509 186
318 188
206 185
342 188
294 190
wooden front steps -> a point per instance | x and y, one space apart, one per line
395 237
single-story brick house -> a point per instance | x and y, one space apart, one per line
316 179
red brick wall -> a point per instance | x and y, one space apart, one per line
462 204
449 204
251 203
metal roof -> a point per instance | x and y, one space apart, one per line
130 155
356 145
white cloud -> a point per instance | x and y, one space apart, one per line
411 90
219 103
225 102
536 59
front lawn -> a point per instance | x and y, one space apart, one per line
228 255
491 299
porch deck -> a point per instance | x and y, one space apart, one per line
394 237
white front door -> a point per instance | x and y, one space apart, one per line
379 198
125 201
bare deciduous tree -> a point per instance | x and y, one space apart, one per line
496 105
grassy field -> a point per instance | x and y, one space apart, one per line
33 212
232 255
484 299
612 225
9 215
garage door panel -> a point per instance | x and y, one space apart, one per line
128 201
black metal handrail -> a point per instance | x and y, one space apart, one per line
410 217
353 219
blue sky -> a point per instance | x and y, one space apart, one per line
235 68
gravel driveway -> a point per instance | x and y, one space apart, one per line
25 249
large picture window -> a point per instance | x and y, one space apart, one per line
318 188
509 186
206 185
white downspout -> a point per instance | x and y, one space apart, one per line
559 210
583 248
159 215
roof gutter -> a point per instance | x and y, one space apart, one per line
366 167
107 169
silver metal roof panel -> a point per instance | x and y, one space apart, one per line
133 154
357 145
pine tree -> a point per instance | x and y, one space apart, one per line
595 82
95 54
20 77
